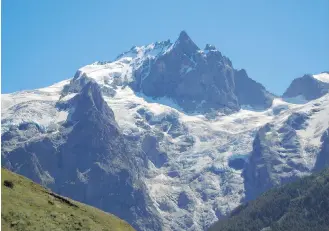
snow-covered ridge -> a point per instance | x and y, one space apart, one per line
323 77
120 70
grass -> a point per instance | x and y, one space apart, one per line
26 206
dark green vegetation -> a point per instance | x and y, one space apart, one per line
28 206
298 206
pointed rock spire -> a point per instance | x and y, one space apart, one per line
183 36
185 43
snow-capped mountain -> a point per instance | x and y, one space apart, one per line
167 136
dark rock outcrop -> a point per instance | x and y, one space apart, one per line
237 163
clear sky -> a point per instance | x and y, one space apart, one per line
44 42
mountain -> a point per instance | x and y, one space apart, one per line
308 87
167 136
302 205
28 206
198 80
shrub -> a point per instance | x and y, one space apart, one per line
8 184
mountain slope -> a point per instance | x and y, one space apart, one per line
302 205
28 206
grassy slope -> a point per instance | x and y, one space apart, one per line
29 206
302 205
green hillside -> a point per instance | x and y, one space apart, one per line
298 206
28 206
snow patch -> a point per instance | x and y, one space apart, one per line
323 77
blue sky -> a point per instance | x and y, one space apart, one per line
44 42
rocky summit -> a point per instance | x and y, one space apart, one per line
199 80
167 136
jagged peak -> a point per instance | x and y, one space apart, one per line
90 98
185 43
185 38
165 43
211 49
